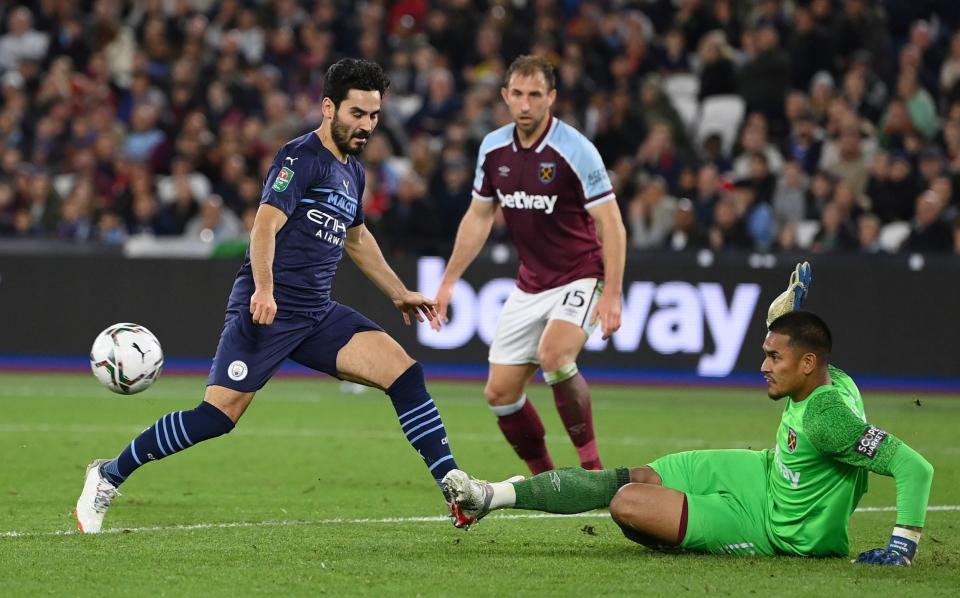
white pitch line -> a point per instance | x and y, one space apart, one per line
363 521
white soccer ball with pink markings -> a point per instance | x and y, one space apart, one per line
126 358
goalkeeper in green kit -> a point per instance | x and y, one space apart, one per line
795 498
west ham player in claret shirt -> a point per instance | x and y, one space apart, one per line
310 214
563 217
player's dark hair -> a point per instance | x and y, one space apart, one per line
529 66
353 73
807 331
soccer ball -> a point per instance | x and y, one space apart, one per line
126 358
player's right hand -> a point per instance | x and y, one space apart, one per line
263 307
882 556
444 295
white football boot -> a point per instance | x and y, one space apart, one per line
469 498
95 499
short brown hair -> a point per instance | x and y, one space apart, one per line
528 66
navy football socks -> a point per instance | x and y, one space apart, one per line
420 421
171 434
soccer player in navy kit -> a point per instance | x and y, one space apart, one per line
560 208
280 306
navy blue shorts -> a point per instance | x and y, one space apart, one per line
249 354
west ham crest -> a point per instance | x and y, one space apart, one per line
547 172
791 440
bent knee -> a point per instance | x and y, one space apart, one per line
620 507
498 397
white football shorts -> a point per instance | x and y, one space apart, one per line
525 315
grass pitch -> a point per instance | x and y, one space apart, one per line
317 492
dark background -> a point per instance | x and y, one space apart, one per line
888 319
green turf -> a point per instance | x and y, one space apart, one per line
284 493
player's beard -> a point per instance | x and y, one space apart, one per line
531 126
340 132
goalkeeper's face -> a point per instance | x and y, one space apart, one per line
786 367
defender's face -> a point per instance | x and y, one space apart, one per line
528 100
354 122
782 367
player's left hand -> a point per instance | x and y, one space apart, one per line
608 310
418 305
882 556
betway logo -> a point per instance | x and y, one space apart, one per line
523 201
674 316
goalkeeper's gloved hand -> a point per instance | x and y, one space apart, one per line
791 299
900 551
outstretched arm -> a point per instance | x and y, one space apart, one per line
472 234
835 430
613 241
365 253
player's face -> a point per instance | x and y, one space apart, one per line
354 122
783 367
528 100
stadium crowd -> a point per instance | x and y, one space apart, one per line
757 125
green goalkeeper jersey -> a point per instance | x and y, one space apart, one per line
818 469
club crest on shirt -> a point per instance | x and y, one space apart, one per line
283 179
547 172
791 440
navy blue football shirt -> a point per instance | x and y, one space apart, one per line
321 197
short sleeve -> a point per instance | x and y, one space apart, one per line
287 181
597 187
482 189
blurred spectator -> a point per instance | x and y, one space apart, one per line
44 203
765 78
411 223
920 106
658 155
673 58
804 144
728 231
21 41
145 136
650 215
811 48
453 193
753 139
685 234
110 229
893 191
834 234
789 201
787 238
756 215
707 195
718 75
656 108
868 233
214 223
930 232
850 164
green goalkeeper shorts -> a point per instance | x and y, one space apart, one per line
726 499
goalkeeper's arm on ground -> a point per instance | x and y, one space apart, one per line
837 431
